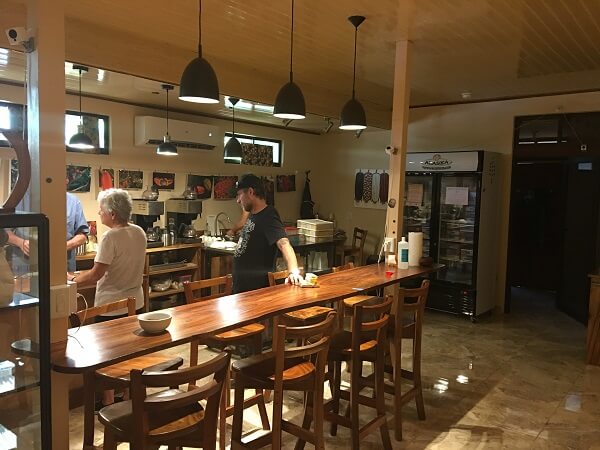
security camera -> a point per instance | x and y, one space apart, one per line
391 150
20 36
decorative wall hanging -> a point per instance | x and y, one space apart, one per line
165 181
202 184
371 188
225 188
79 178
106 178
131 179
269 183
286 183
257 155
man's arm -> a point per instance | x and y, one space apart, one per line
239 224
76 241
18 242
289 255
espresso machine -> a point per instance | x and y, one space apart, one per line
144 213
180 215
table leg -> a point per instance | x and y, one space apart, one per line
89 400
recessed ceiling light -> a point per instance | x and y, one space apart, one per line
465 95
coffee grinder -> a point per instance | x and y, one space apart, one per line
180 215
144 213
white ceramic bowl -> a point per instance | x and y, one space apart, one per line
154 322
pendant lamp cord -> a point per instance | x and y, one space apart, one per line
200 28
292 44
80 113
354 69
167 111
233 122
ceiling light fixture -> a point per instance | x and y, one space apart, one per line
353 114
289 103
167 148
199 82
233 148
80 140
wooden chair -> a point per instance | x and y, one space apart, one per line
365 342
116 376
173 416
300 368
249 335
359 237
302 316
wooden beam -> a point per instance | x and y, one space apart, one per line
399 138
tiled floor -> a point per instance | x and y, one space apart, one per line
513 381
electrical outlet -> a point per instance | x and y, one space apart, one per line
388 244
59 300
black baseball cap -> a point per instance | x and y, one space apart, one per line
249 181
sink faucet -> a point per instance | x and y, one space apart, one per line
217 221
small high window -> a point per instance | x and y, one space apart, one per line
258 151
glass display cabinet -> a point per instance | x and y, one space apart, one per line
24 332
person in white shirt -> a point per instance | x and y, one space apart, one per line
119 263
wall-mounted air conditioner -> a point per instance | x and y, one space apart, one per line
150 131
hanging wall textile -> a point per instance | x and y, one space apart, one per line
269 184
131 179
358 186
79 178
106 178
163 180
202 184
225 188
286 183
370 188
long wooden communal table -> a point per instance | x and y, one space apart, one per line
98 345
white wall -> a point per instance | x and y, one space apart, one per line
477 126
298 154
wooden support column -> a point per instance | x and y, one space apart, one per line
399 133
46 125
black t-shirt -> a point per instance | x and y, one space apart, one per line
255 254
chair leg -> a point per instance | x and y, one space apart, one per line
238 415
306 421
336 380
223 410
262 409
356 365
318 414
110 442
277 416
397 378
380 399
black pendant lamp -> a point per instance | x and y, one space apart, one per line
167 148
289 103
353 115
199 82
80 140
233 148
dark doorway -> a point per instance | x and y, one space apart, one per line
555 198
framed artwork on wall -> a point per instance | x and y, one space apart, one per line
131 179
225 187
165 181
79 178
202 184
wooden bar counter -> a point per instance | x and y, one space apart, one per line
593 331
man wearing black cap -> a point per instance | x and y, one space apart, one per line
261 236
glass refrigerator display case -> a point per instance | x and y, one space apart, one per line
24 332
452 198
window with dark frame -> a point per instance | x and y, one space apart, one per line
258 151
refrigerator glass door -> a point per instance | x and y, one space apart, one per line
417 207
457 225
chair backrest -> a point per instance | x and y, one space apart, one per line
346 266
77 319
180 411
315 341
276 277
369 324
191 288
413 302
359 235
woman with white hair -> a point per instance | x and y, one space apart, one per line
119 263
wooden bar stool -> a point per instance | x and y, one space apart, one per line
356 249
300 368
410 325
305 315
346 306
171 417
365 342
116 376
249 335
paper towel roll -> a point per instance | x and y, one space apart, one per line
415 248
